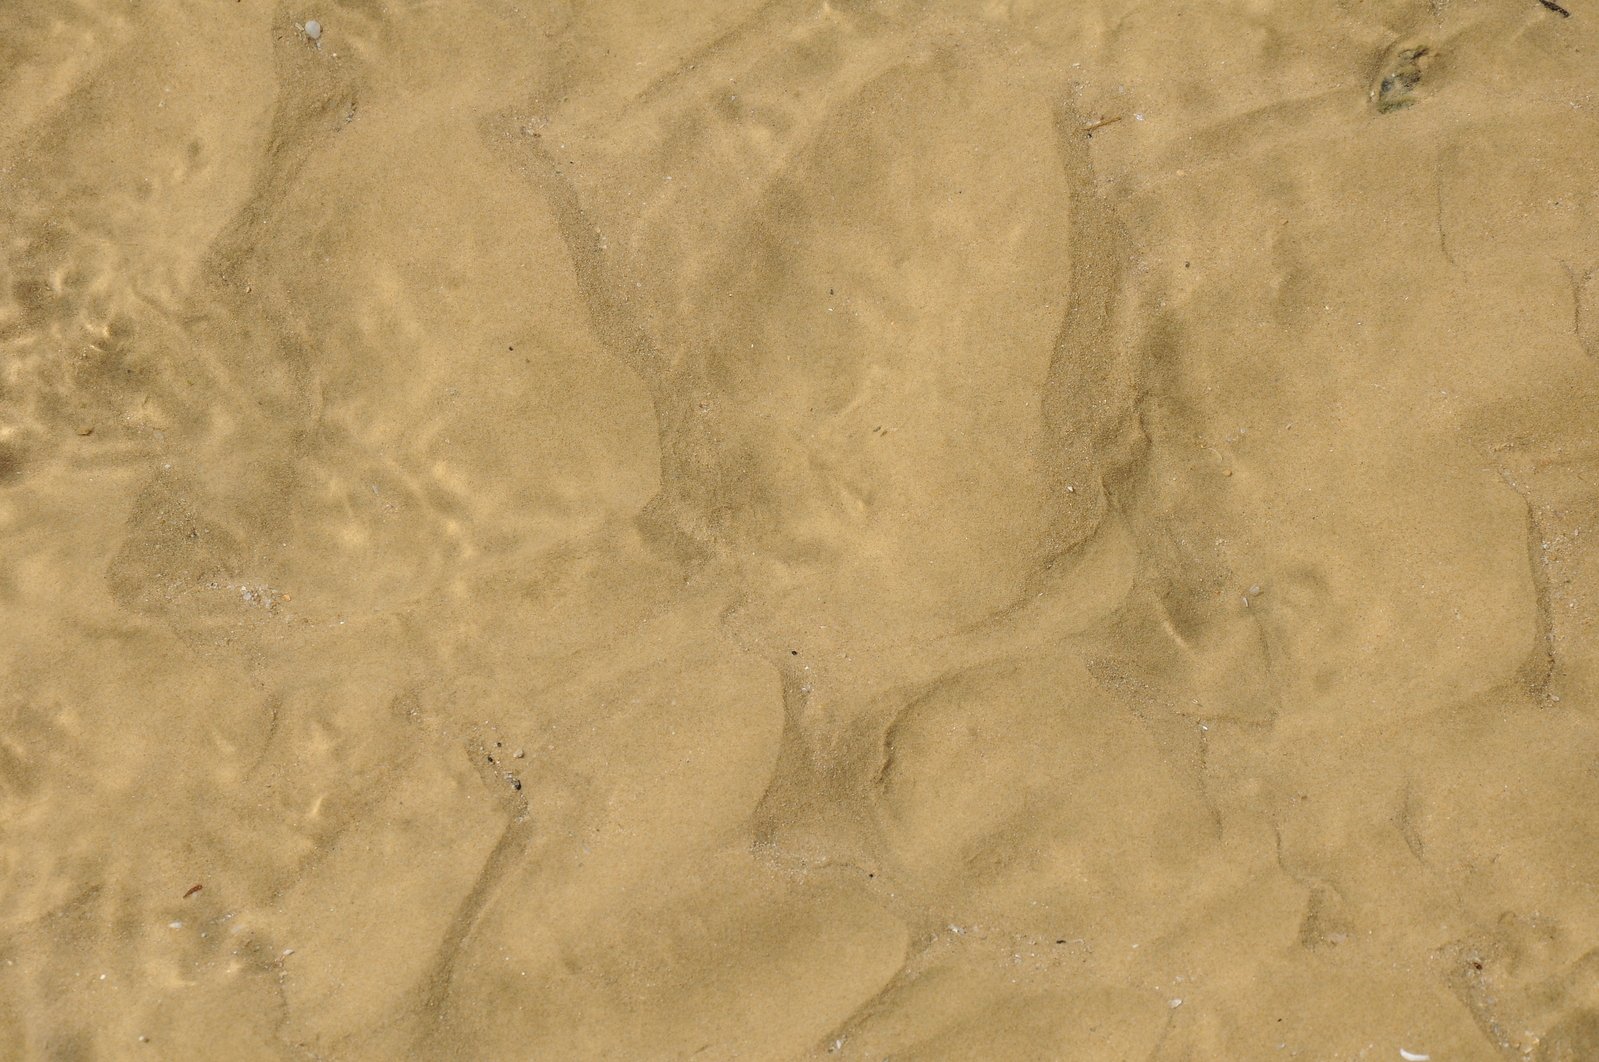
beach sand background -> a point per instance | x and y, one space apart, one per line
976 530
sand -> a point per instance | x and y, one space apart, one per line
991 529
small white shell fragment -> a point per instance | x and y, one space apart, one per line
313 30
1412 1056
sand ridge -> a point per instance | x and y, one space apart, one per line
861 529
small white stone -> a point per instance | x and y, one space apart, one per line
313 30
1176 1003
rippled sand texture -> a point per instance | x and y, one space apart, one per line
645 530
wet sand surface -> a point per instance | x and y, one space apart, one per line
883 530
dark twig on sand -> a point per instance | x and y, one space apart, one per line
1556 8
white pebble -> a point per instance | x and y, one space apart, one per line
313 30
1413 1056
